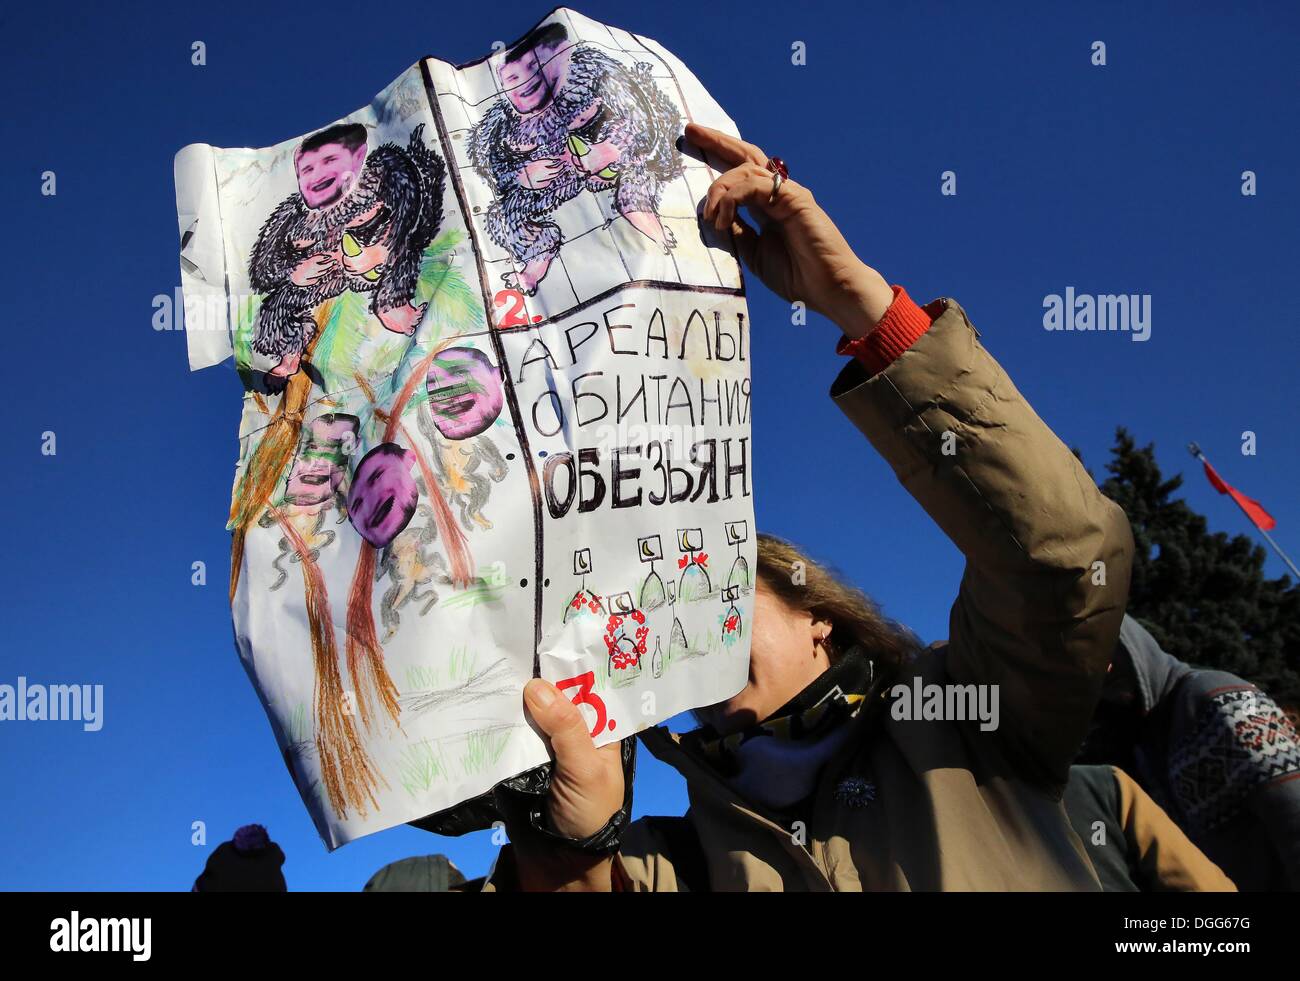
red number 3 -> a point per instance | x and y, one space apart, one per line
586 696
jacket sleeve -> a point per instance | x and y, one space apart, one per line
1244 725
1047 556
1166 859
1232 755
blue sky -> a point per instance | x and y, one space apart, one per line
1115 179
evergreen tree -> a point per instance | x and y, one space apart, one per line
1202 594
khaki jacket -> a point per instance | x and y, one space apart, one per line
1038 614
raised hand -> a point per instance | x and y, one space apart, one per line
799 254
587 785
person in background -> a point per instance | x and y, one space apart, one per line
249 862
1211 749
1133 845
419 873
810 778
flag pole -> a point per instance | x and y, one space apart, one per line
1195 450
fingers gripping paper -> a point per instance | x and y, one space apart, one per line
496 419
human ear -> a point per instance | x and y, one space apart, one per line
821 630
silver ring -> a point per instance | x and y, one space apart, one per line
777 181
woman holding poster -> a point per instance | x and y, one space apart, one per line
853 759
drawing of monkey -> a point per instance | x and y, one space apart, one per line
573 119
360 221
410 562
467 468
315 534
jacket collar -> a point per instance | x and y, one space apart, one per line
705 784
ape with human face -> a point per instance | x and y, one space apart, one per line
360 221
572 119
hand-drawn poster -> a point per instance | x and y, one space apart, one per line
496 416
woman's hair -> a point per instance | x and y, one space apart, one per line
806 585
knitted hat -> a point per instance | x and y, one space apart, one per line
250 862
420 873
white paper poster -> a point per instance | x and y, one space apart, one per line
496 418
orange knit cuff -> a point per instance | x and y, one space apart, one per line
898 330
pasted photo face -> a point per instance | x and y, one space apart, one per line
524 83
532 72
329 164
383 495
322 463
465 394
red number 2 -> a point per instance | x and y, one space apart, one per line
586 696
515 316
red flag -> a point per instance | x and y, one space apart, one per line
1254 510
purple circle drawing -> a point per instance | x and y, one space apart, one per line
383 494
464 392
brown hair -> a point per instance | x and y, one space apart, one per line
804 584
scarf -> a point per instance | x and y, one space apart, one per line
776 762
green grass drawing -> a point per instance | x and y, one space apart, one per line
420 766
462 664
421 676
299 730
708 642
338 352
483 749
475 595
245 319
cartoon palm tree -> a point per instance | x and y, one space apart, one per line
348 774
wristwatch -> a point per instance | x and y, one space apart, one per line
521 801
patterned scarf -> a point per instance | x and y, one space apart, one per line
776 762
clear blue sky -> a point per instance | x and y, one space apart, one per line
1122 179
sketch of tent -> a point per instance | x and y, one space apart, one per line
738 534
584 601
677 647
650 549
